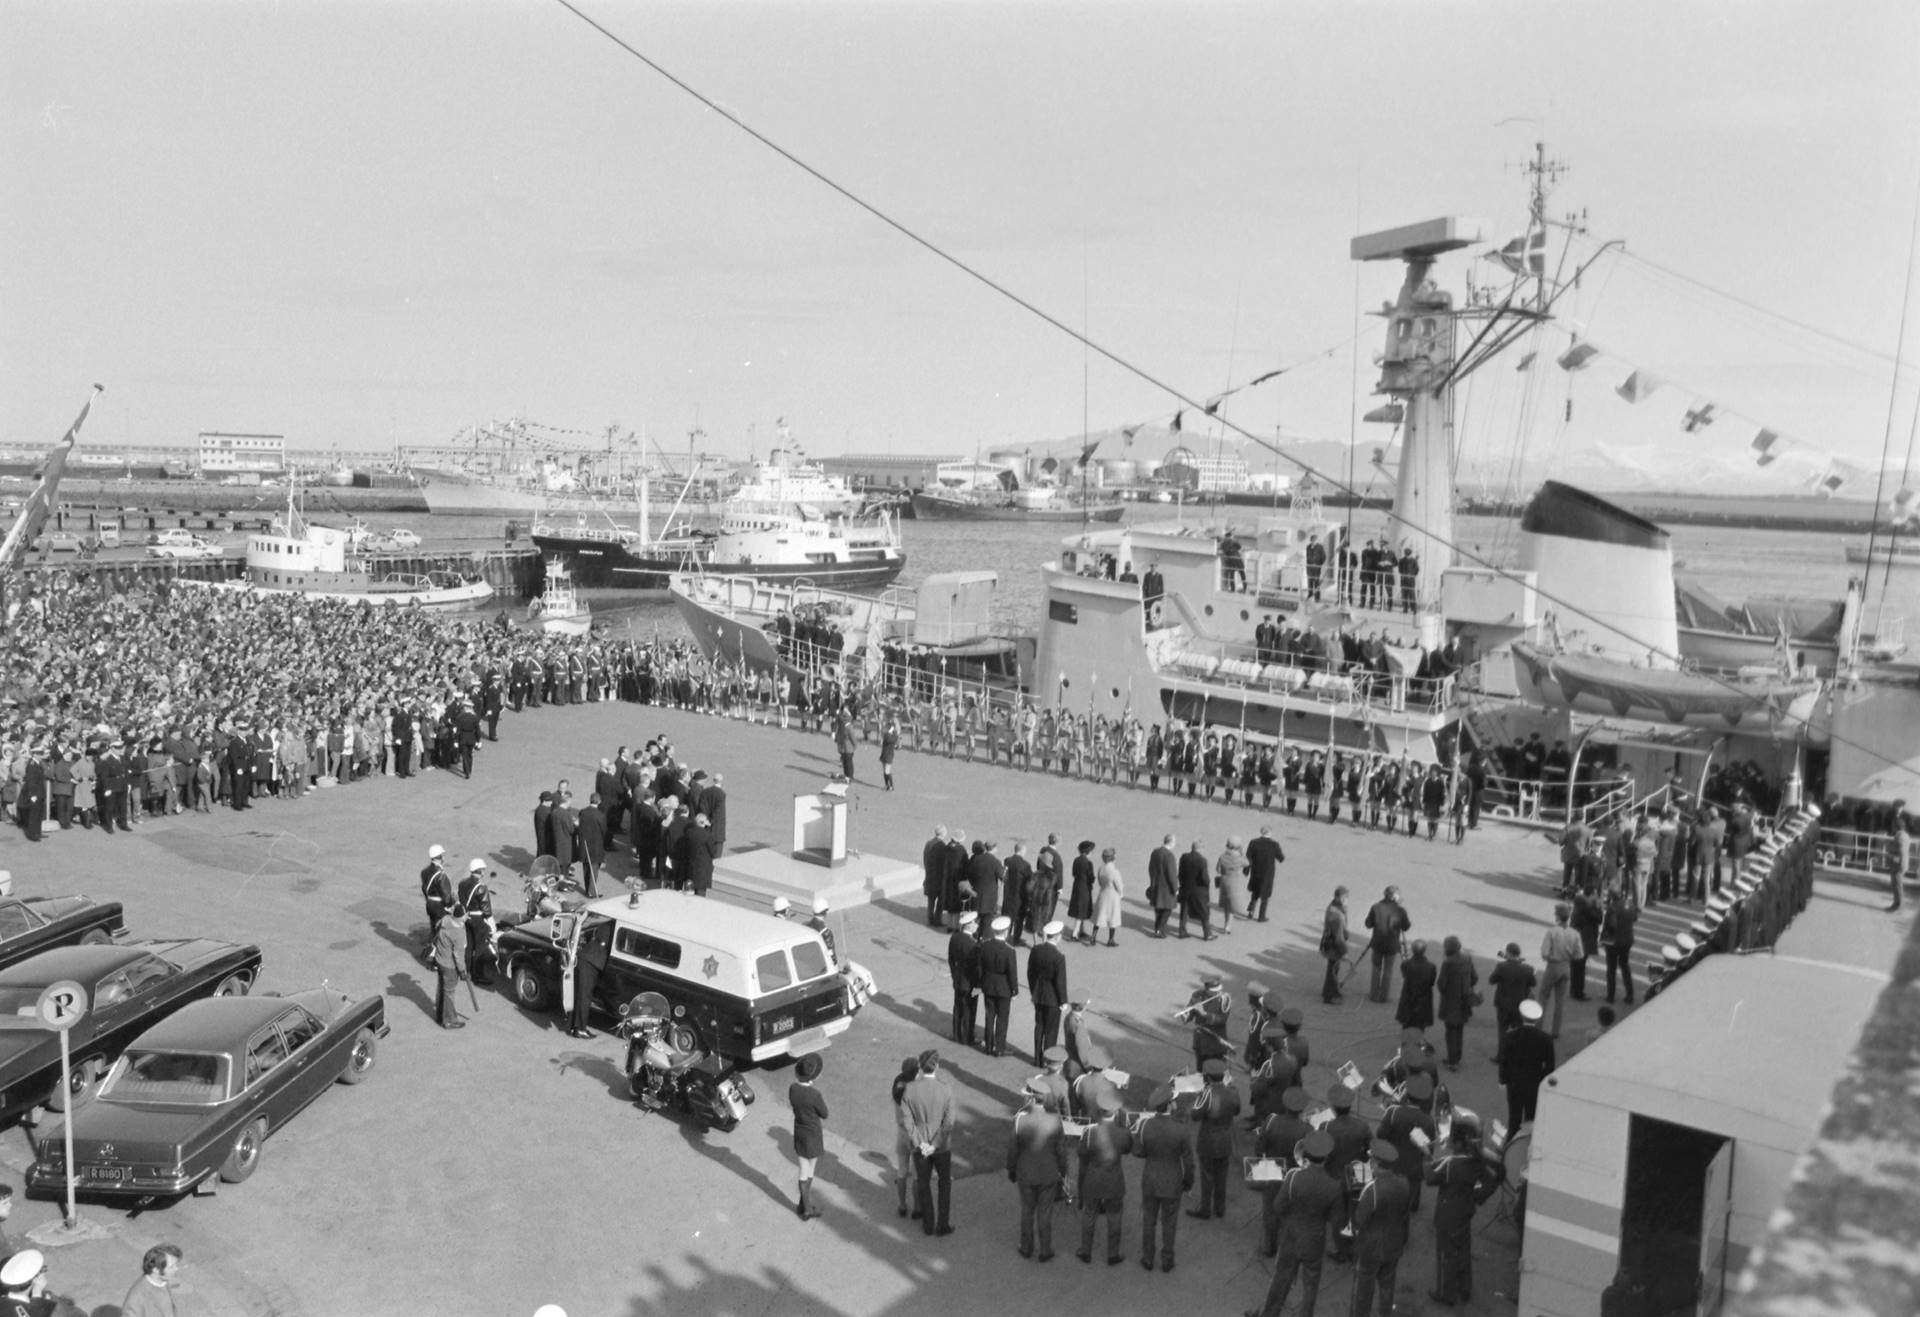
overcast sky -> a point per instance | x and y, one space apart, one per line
361 224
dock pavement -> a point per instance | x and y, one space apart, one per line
499 1168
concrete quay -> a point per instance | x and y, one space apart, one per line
501 1167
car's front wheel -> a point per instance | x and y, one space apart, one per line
361 1058
529 989
234 985
244 1158
96 937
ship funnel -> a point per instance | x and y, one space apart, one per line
1609 565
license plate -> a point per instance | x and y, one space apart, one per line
107 1172
782 1026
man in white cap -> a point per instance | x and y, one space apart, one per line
477 898
436 886
23 1283
999 983
963 965
1526 1059
819 925
783 907
1047 986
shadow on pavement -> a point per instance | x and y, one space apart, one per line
408 987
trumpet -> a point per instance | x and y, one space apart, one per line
1186 1013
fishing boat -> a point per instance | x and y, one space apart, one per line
296 556
559 610
843 552
942 631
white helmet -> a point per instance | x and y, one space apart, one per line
435 851
781 905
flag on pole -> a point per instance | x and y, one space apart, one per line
1270 375
1830 482
1526 254
1526 362
1578 356
1126 434
1767 444
1175 427
1213 404
1698 418
1638 387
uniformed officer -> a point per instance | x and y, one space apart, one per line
478 900
1278 1139
436 887
1262 1010
1350 1137
1216 1108
1037 1163
1465 1181
1207 1010
1103 1180
999 984
1164 1142
1307 1201
963 966
1412 1114
1287 1054
1054 1079
1380 1215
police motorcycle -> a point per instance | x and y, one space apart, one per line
550 892
660 1075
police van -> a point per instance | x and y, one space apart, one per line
738 982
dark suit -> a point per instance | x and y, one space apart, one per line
1194 902
240 771
1168 1174
32 804
1047 982
933 879
1264 858
1417 977
1163 886
963 965
999 984
1103 1184
590 827
595 944
542 833
984 871
1397 1127
466 729
1018 882
701 849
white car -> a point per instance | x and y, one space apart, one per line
403 539
182 544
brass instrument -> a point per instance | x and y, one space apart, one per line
1359 1175
1135 1119
1186 1013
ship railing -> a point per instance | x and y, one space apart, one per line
1854 850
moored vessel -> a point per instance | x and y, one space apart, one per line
295 556
1025 504
841 552
559 610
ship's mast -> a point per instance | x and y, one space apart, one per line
1418 370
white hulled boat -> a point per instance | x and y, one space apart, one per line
559 610
295 556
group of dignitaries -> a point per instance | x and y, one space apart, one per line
1333 1185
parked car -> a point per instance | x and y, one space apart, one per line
65 541
198 1094
181 544
32 924
403 539
129 989
740 983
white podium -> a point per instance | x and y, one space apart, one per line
820 826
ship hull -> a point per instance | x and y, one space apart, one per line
1906 555
597 564
940 509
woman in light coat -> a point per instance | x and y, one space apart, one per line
1230 876
1109 887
